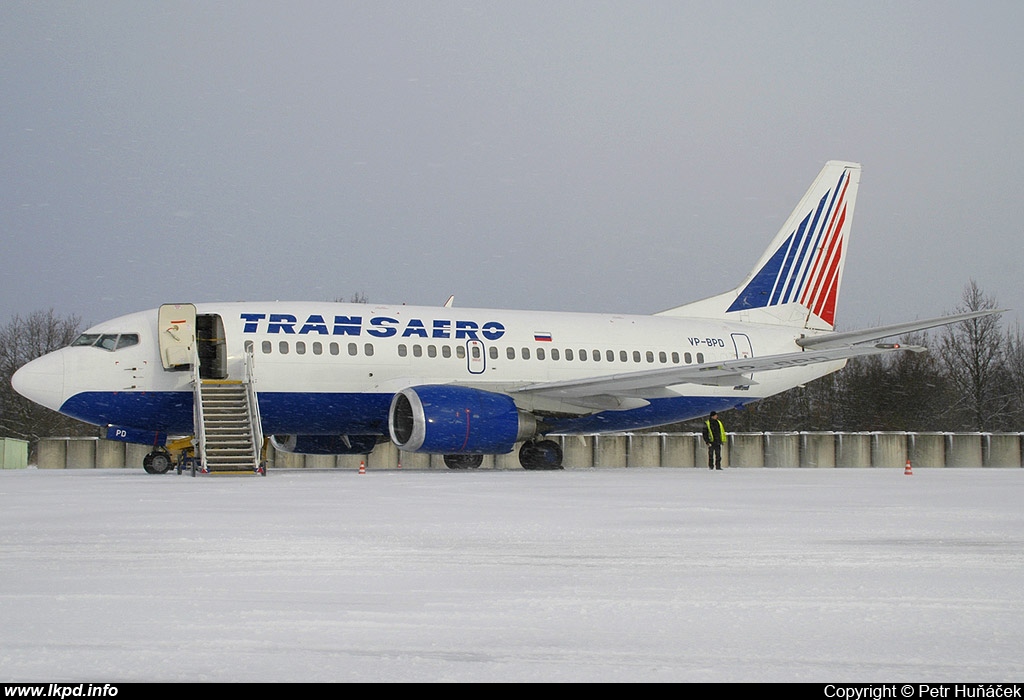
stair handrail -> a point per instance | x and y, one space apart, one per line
197 411
255 422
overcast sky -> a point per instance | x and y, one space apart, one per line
592 156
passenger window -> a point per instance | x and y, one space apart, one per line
318 348
623 356
476 352
650 356
700 358
248 346
460 352
540 353
636 356
402 350
555 354
335 350
446 351
510 353
267 347
353 349
493 352
675 358
417 351
568 353
431 351
688 358
609 355
368 349
283 347
300 348
596 355
583 355
526 353
662 357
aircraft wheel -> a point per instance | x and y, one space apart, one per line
540 455
157 463
463 461
551 454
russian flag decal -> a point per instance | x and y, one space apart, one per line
542 337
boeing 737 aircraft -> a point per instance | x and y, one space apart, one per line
329 378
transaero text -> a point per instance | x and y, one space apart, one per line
376 326
923 690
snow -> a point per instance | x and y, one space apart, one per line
828 575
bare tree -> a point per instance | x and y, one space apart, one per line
356 298
23 339
1013 360
972 354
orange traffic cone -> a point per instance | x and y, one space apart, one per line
907 471
362 466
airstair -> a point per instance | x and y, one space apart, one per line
228 434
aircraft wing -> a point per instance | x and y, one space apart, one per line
727 373
626 388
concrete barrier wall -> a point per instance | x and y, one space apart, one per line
927 449
782 450
963 449
889 450
853 450
1002 450
744 450
676 450
818 450
679 450
643 451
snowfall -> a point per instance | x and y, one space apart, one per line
754 575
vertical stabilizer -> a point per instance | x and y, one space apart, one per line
796 281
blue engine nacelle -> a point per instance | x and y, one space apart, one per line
443 419
324 444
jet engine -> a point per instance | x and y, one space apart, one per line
443 419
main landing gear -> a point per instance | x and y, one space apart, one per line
463 461
540 455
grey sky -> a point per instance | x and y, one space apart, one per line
593 156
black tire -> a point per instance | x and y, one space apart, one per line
541 455
551 453
463 461
157 463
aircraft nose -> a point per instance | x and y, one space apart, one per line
42 380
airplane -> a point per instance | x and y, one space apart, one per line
339 378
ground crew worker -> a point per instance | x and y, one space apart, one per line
714 436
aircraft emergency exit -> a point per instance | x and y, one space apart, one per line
331 378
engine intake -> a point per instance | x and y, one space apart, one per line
443 419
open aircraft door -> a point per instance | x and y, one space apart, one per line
177 335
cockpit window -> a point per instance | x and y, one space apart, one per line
107 341
127 340
85 339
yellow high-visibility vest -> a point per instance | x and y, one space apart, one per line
721 429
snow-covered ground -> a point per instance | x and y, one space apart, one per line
589 575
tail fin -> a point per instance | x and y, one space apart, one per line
796 281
